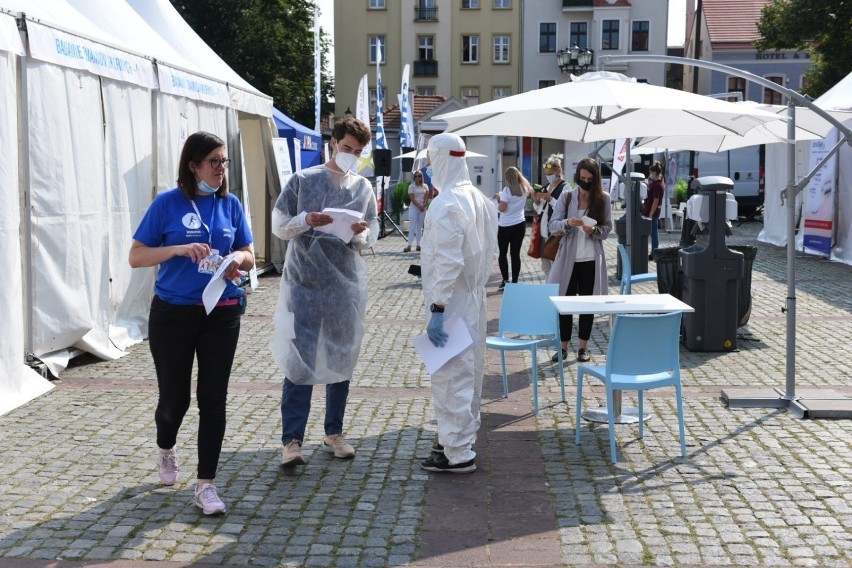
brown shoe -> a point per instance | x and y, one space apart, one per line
292 455
337 444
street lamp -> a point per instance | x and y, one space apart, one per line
574 59
348 112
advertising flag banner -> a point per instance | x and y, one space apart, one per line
819 198
619 156
317 75
381 141
362 113
406 122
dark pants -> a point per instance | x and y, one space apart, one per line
655 233
296 406
510 239
176 336
582 284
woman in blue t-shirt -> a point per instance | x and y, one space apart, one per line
189 232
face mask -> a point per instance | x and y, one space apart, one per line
345 162
206 187
587 185
550 178
429 172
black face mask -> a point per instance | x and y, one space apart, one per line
587 185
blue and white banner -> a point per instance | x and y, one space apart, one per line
317 74
406 117
818 202
183 84
61 48
381 141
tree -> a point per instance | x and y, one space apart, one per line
822 28
270 44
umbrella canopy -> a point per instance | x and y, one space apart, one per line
603 106
809 126
421 154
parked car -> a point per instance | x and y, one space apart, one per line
743 166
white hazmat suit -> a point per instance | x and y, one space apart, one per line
459 248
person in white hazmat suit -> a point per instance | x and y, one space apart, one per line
459 248
323 296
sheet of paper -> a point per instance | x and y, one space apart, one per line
213 291
341 226
588 221
458 340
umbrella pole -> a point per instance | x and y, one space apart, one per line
790 393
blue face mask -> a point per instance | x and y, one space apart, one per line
429 172
206 187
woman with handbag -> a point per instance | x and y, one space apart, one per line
584 218
546 199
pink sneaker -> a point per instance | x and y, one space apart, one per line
167 463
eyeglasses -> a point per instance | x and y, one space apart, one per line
216 162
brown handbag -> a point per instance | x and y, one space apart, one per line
549 249
535 242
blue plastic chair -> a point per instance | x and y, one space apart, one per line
643 354
528 312
627 277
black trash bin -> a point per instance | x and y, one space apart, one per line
669 276
744 291
621 231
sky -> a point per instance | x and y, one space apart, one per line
676 31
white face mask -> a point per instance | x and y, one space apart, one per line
346 162
550 178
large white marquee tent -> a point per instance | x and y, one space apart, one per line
100 96
774 230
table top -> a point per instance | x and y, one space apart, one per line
620 304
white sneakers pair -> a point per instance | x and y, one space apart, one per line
335 443
206 498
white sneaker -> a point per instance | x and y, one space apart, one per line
337 444
208 500
292 455
167 463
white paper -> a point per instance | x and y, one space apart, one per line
341 226
458 340
588 221
213 291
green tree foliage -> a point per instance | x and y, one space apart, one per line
823 28
270 43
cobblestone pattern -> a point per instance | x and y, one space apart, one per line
78 480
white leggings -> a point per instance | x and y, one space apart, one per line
415 224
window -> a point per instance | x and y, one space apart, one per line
547 37
374 41
377 4
501 49
470 49
425 10
426 91
609 34
771 97
579 34
373 91
502 4
470 96
639 41
426 48
804 84
544 83
501 93
737 85
470 4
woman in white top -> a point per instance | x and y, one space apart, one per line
511 225
580 264
547 199
417 192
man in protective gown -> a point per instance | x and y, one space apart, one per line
459 248
323 296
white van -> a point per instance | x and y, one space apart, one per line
745 167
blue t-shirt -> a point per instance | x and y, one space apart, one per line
171 220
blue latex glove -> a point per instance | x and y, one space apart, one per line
435 330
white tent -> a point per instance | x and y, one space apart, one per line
108 90
774 230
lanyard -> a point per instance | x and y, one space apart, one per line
212 219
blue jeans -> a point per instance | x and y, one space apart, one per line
296 406
655 233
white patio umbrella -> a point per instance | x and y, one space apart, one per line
603 106
809 126
421 154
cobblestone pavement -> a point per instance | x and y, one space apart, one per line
758 487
